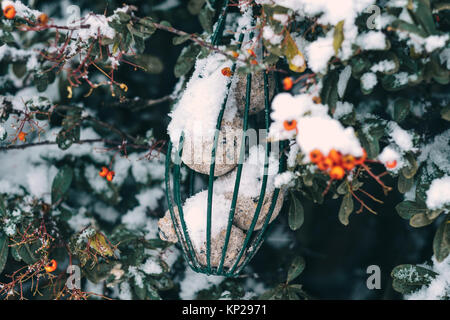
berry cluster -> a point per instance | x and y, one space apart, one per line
109 174
336 164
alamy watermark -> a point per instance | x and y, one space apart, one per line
374 280
373 21
73 282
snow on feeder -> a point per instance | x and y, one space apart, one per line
220 229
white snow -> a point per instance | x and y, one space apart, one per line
286 107
401 137
438 195
435 42
198 108
283 18
147 199
193 282
251 175
437 153
98 28
151 266
344 76
343 108
389 154
271 36
444 56
383 66
372 40
284 179
368 80
439 288
298 61
326 134
21 9
195 216
319 53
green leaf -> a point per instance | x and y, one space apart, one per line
271 294
152 293
163 283
421 13
70 131
410 170
346 209
296 213
2 206
98 272
148 24
401 109
292 294
338 36
296 268
420 220
180 39
408 278
27 253
291 51
391 83
61 183
342 189
404 184
206 17
407 209
445 113
140 44
150 63
3 250
123 17
194 6
360 65
166 24
41 82
186 60
408 27
329 92
441 241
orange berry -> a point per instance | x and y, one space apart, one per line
253 61
391 164
51 266
42 19
22 136
290 125
335 156
9 12
348 162
104 172
316 156
361 159
325 164
287 83
235 54
110 176
337 173
317 99
226 72
251 52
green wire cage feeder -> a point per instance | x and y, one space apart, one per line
253 238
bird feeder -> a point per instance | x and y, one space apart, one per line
253 238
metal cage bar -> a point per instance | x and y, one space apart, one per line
252 241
